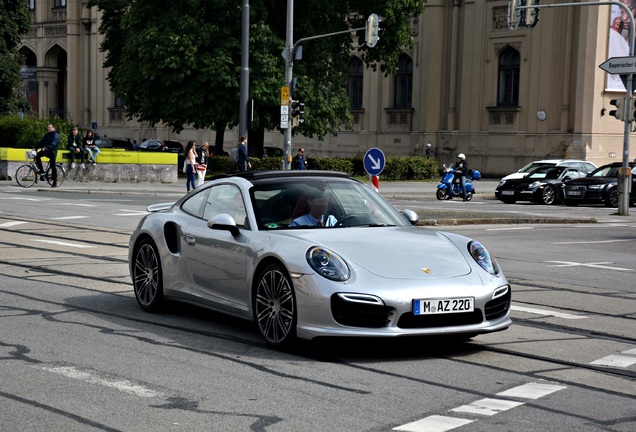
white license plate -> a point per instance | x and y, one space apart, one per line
507 192
577 193
439 306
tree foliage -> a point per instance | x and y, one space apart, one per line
15 21
178 62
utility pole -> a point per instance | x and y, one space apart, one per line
245 69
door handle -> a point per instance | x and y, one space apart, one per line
190 240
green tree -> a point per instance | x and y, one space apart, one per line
15 21
178 62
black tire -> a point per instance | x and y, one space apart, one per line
26 176
147 276
469 196
274 306
611 200
549 195
441 194
61 175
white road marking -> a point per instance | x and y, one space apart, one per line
121 385
69 217
598 265
531 390
131 213
59 243
592 242
547 312
433 423
487 407
510 229
78 204
631 351
615 361
10 224
29 199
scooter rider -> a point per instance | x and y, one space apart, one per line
461 168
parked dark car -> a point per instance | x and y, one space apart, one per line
272 151
598 187
161 145
113 143
542 185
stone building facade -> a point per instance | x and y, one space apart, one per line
469 85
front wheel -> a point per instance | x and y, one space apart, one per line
441 194
147 276
612 198
26 176
275 306
549 195
469 196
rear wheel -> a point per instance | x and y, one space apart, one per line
441 194
549 195
611 200
61 175
26 176
275 306
147 276
469 196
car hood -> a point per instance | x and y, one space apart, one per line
514 176
396 253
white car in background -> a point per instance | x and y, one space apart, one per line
580 165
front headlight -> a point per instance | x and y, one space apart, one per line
327 264
482 257
534 185
501 183
596 187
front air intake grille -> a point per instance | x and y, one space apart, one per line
360 314
410 321
498 307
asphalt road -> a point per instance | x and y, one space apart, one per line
76 352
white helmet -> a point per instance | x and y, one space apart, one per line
462 156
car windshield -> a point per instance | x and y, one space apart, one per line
305 202
533 165
605 171
546 172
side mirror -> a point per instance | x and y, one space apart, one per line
411 216
224 221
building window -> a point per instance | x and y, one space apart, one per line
403 83
354 90
31 5
59 3
508 86
119 103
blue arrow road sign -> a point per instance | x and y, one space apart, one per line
374 161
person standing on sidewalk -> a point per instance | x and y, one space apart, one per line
299 162
47 147
243 162
202 163
74 145
191 165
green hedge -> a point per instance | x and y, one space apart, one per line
396 167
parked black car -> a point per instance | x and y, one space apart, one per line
542 185
161 145
113 143
599 186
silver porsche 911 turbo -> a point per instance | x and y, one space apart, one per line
312 253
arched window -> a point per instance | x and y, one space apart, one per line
354 89
508 86
403 83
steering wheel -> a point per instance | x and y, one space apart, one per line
346 221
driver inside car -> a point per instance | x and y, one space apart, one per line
318 202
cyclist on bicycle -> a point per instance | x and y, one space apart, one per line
47 147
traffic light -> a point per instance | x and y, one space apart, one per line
532 15
297 112
619 112
371 30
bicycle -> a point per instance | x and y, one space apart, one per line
27 175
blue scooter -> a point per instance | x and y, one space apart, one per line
446 189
